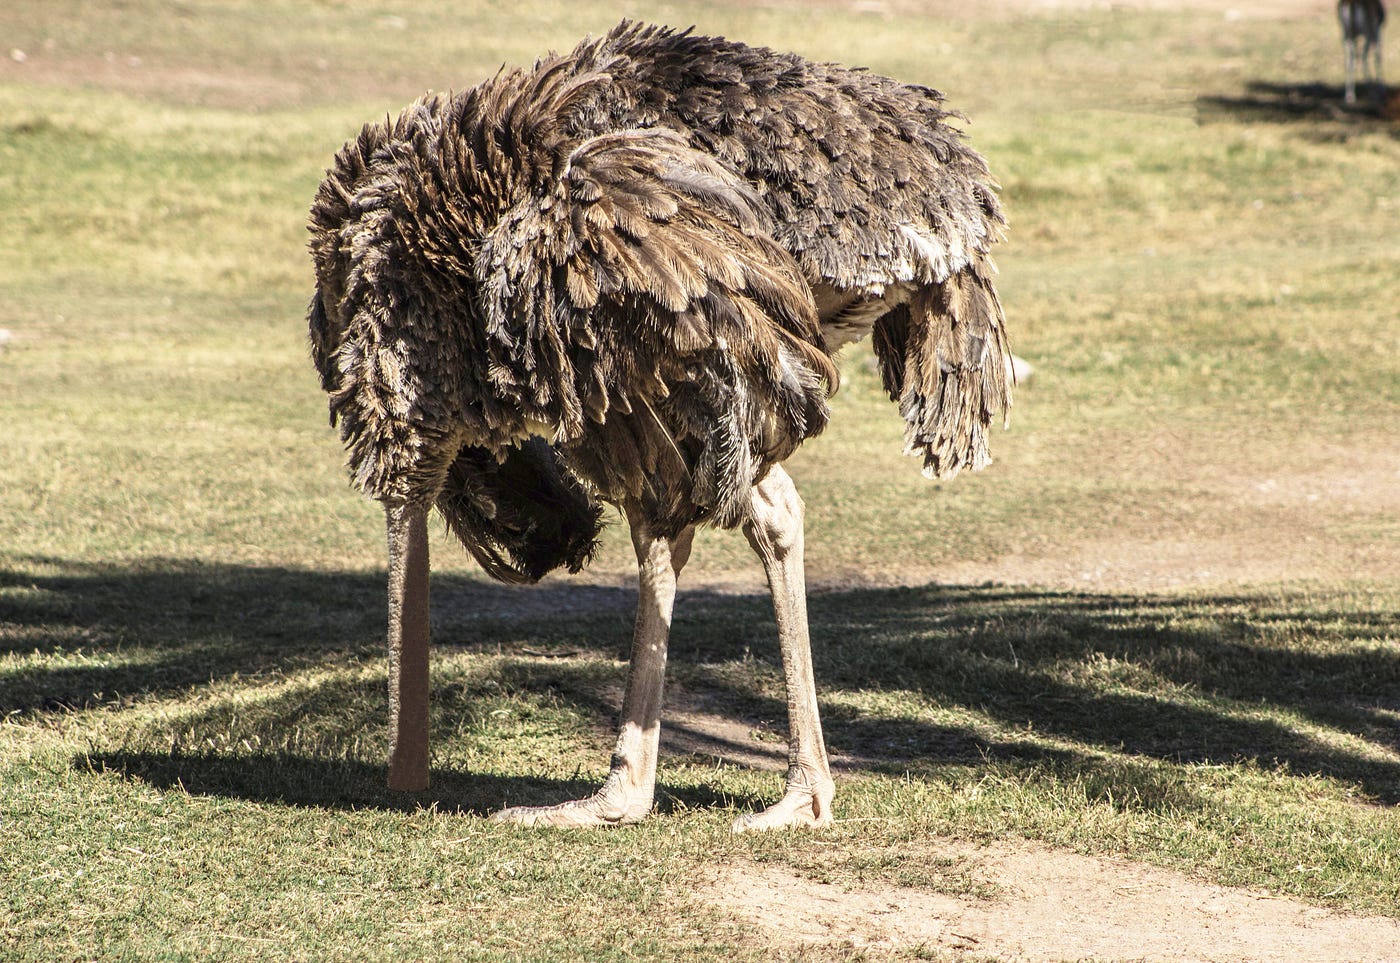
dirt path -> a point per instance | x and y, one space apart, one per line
1057 906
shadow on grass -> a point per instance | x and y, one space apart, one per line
1267 679
100 635
1303 102
297 780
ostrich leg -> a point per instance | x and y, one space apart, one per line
629 791
408 646
774 529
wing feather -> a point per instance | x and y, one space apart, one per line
705 325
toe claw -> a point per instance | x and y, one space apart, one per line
803 806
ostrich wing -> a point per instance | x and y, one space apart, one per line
871 188
638 309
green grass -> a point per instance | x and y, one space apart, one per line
191 613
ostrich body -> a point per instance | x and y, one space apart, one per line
1361 35
618 277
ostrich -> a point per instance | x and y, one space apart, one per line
619 277
1361 27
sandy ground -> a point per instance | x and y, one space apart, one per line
1056 906
1303 510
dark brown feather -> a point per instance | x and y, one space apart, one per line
617 252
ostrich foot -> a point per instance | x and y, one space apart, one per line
807 803
610 806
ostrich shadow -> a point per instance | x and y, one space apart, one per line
1117 680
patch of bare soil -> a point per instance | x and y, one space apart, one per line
1266 526
1054 906
226 86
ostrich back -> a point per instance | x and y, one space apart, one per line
617 251
868 184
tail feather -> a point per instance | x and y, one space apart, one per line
944 357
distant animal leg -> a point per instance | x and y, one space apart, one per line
1377 77
629 791
1350 45
774 529
408 646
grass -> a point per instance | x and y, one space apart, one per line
191 668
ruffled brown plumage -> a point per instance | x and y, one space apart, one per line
621 251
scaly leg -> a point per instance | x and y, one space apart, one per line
774 529
629 791
408 646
